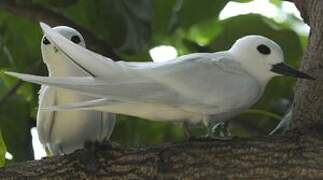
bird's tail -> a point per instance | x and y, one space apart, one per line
84 105
81 84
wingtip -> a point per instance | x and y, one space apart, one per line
24 77
44 25
14 74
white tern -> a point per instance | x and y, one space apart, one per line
192 88
65 131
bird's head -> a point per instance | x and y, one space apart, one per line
263 58
52 56
71 34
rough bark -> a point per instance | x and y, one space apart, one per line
296 155
287 157
308 103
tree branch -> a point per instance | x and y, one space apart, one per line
270 157
39 13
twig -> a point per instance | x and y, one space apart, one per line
17 85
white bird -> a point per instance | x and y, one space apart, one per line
66 131
192 88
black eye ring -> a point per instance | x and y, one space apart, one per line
263 49
76 39
45 41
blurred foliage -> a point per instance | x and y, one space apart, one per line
3 151
132 27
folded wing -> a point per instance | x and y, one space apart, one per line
205 83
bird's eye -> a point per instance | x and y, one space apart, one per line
76 39
45 41
263 49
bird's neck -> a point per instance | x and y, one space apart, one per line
60 66
256 69
261 78
259 73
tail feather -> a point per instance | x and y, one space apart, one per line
81 84
56 80
85 105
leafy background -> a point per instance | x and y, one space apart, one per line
132 27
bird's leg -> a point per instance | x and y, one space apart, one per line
221 129
48 151
61 149
218 130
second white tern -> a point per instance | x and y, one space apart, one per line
65 131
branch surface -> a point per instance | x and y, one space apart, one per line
270 157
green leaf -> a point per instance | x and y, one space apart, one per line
203 33
14 124
185 16
243 1
170 15
3 151
126 24
162 14
278 3
20 48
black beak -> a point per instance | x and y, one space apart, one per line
286 70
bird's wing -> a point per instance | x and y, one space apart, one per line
207 83
99 67
122 91
84 105
45 119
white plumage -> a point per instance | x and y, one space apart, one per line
191 88
65 131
